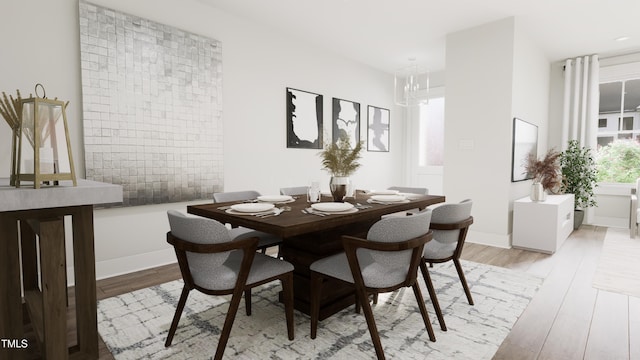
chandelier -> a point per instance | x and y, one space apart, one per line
411 86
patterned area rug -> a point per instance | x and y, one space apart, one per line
135 325
619 267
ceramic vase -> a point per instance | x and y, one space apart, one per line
537 192
339 186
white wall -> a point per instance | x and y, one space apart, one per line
493 74
531 81
258 64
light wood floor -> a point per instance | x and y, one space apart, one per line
567 319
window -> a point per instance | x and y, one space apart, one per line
431 138
618 153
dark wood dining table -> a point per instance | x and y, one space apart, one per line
309 237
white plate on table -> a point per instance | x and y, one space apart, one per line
411 196
383 192
252 208
233 212
332 207
389 198
275 198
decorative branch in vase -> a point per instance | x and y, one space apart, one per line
546 173
341 161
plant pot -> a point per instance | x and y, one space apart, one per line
578 218
537 192
339 186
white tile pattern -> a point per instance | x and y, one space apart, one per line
152 107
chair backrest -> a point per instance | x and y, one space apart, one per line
410 190
637 191
397 229
296 190
450 214
199 230
389 258
209 260
235 196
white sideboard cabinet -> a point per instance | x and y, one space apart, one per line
543 225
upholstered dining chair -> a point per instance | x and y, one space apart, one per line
410 190
634 218
296 190
386 261
212 263
450 224
266 240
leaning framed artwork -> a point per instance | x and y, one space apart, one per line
377 129
304 119
346 120
525 142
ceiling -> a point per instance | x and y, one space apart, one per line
385 34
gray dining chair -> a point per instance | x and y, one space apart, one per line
388 259
213 263
296 190
266 240
450 224
410 190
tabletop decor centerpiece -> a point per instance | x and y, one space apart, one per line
341 161
546 174
43 154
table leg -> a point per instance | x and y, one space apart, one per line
52 265
11 326
85 285
29 257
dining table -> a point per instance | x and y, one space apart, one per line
310 235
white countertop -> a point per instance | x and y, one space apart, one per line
86 193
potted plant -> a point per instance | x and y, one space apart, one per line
340 160
546 174
579 178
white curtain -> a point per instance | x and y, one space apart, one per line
581 100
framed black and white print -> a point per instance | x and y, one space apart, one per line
377 129
525 143
304 119
346 120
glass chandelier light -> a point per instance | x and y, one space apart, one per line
411 86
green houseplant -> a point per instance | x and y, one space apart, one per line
579 178
340 160
619 162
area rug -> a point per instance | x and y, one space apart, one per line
619 267
135 325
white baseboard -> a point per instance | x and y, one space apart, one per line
489 239
128 264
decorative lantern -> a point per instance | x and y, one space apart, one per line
44 149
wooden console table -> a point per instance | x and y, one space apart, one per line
24 214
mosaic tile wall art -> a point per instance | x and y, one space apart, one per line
152 107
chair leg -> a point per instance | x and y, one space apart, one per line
456 262
432 294
423 311
371 323
228 323
316 291
247 301
176 317
287 292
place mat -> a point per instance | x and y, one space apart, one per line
619 267
135 325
